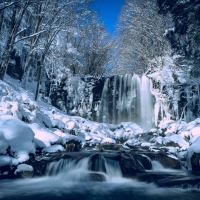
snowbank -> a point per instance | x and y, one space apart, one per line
43 137
23 168
53 148
19 137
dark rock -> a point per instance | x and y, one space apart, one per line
25 174
144 160
113 147
97 163
70 146
163 158
130 165
73 145
195 161
96 177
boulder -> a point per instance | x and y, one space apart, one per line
195 161
97 163
73 145
95 177
167 160
130 165
144 160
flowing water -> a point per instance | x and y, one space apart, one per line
127 98
67 179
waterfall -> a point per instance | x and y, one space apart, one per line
103 108
113 169
127 99
146 104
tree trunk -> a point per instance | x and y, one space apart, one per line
1 20
11 39
39 77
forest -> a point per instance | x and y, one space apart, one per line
86 114
46 43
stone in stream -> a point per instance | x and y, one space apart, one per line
168 161
195 161
130 165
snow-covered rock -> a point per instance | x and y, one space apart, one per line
44 138
3 144
7 160
19 137
23 167
108 141
53 148
194 148
175 140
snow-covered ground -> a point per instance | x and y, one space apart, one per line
27 126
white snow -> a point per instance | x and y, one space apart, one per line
19 137
177 139
108 140
3 144
23 168
44 137
194 148
53 148
7 160
195 131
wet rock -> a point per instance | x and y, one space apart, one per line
130 165
97 163
70 146
25 174
195 161
144 160
73 145
96 177
164 159
113 147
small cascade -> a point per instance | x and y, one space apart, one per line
126 99
92 168
97 163
66 166
113 169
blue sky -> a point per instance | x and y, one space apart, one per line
109 11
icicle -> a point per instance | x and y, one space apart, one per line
103 107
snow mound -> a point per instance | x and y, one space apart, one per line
17 104
23 168
194 148
176 140
53 148
19 137
7 160
108 141
3 144
43 137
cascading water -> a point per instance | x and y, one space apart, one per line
127 98
103 108
113 169
69 179
146 104
79 171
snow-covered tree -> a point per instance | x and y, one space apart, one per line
140 36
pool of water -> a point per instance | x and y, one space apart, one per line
54 188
